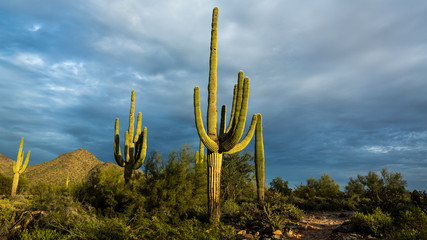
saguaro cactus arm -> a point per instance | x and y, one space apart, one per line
247 139
234 135
17 166
207 141
117 152
141 148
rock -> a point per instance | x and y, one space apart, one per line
341 228
249 236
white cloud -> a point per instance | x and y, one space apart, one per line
34 28
29 59
385 149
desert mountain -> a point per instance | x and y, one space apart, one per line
6 165
77 164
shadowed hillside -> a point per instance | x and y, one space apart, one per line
5 165
77 164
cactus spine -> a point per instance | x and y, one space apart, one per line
227 140
18 168
259 160
135 144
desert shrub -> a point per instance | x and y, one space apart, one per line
237 177
6 184
7 211
281 186
156 228
250 215
411 224
324 187
277 212
105 190
229 208
42 234
372 191
170 188
377 223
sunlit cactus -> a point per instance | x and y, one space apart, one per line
200 156
226 141
19 166
68 180
135 144
259 160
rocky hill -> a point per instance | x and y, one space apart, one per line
5 165
77 164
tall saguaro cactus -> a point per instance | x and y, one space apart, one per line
19 166
227 139
135 144
259 160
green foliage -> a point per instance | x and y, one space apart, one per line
411 225
237 178
6 184
280 186
377 223
320 194
170 187
7 210
386 191
105 190
229 208
324 187
275 213
42 234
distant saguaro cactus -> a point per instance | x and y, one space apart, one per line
200 156
227 140
135 144
18 168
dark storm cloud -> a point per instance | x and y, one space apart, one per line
341 86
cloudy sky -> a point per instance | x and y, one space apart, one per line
341 85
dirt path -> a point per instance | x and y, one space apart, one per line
320 226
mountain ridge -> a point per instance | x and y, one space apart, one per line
77 164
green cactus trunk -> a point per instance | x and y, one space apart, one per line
135 145
15 183
18 168
214 184
259 160
227 140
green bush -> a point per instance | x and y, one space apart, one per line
105 190
229 208
377 223
411 224
237 177
42 234
281 186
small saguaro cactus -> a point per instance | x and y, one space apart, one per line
200 156
259 160
227 140
135 144
67 181
19 166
